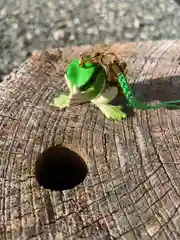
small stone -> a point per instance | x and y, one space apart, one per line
112 5
76 21
16 12
37 31
58 34
129 35
108 40
69 23
136 23
28 36
51 5
3 12
72 37
15 25
79 29
62 13
94 30
148 18
111 16
89 31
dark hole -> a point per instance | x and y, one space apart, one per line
59 168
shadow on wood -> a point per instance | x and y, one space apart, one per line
158 89
151 90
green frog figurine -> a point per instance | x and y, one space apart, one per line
90 82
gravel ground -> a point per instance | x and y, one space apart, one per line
29 25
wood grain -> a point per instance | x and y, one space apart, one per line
132 190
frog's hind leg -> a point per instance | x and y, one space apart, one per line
112 112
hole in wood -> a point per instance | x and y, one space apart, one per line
60 168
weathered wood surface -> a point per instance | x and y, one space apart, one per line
132 190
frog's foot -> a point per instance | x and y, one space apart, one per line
61 101
112 112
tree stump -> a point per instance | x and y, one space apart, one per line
132 189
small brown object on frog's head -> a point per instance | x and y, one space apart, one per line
59 168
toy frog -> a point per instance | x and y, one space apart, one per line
90 79
89 82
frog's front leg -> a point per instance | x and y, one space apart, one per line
73 99
110 111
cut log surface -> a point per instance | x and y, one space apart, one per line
132 190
